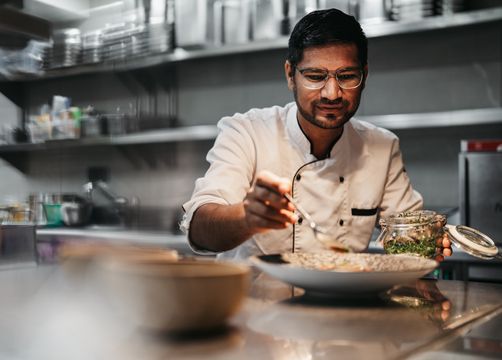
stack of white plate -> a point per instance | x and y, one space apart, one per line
47 56
92 47
115 42
125 40
67 48
138 40
160 37
406 10
451 6
409 10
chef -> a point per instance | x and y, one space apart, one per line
345 172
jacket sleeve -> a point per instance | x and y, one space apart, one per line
231 168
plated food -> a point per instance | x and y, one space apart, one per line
344 274
332 261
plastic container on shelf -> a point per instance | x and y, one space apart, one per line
90 123
53 215
39 129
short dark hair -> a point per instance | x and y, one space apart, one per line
323 27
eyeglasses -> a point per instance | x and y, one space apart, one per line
315 79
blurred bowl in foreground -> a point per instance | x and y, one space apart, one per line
78 256
184 295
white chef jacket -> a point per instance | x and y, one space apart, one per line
362 179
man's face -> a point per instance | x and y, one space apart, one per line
331 106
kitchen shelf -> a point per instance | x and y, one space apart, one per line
18 154
387 28
437 119
209 132
189 133
19 25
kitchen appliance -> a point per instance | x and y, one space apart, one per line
480 174
75 210
17 243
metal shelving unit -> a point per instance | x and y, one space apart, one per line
209 132
18 154
188 133
437 119
388 28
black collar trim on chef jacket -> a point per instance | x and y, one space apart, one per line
328 153
293 193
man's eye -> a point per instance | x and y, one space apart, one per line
314 76
348 76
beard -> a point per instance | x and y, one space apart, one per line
330 121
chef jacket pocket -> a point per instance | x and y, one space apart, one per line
364 212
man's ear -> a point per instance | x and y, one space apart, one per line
290 75
365 76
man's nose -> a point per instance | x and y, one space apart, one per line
331 89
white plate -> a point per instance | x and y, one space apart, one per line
346 283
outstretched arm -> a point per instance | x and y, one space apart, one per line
219 227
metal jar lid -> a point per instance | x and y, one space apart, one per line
473 241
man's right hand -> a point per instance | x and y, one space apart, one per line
218 227
265 206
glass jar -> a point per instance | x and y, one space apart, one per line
412 232
421 232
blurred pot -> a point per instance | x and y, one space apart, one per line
75 210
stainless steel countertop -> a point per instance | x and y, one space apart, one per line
118 235
177 242
48 313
